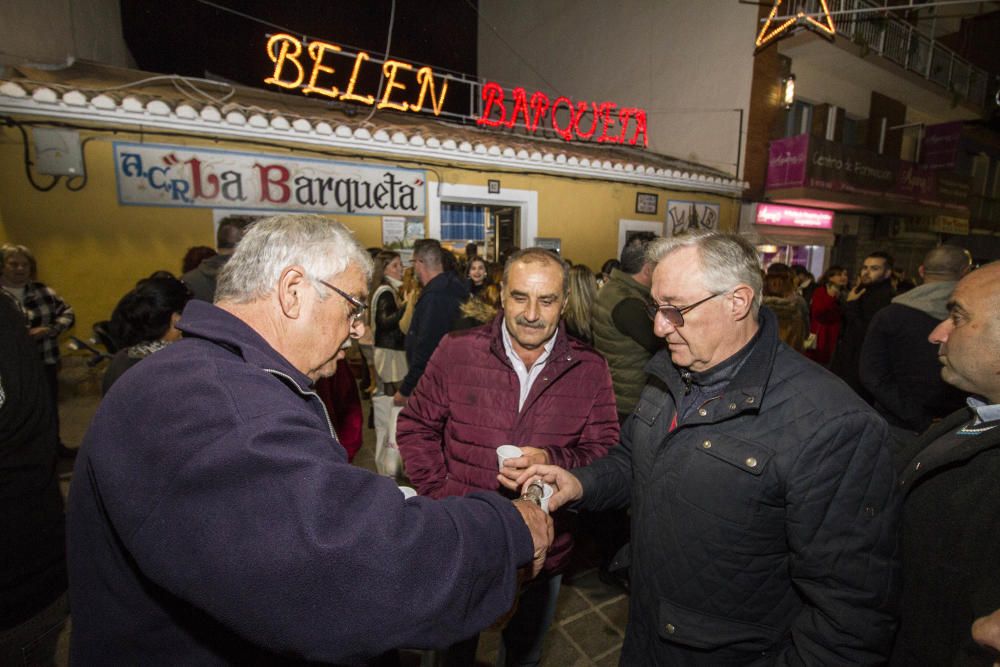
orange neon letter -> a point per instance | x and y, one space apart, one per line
282 56
316 51
425 77
389 69
349 93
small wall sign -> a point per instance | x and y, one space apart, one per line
646 202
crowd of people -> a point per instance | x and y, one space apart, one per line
777 469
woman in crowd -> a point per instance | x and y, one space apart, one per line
825 313
47 314
386 310
144 322
582 293
409 294
780 296
478 275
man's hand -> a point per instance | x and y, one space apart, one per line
37 333
398 400
540 525
512 468
856 293
986 631
567 486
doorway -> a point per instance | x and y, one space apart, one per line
495 229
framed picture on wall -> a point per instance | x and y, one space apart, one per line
646 202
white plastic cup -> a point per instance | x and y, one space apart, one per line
505 452
547 491
408 492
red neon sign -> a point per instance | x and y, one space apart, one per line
792 216
609 124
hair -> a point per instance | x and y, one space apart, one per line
195 256
144 313
634 252
231 230
430 252
579 303
727 260
779 284
382 260
8 250
495 270
471 250
610 265
538 256
321 246
881 254
947 261
834 270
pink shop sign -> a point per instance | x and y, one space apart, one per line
794 216
788 162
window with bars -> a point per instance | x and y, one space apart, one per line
463 222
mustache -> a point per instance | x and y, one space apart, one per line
522 322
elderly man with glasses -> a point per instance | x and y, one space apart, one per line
761 489
214 518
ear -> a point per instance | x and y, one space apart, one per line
742 301
292 284
920 270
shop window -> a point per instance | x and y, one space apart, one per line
799 119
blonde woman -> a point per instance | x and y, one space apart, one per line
579 303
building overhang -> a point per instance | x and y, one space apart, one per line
144 110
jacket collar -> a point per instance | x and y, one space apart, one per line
746 391
201 319
920 466
562 350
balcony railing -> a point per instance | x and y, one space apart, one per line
908 46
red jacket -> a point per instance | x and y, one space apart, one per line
465 406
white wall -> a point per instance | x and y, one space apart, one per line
689 64
48 32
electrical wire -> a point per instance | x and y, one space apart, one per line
381 79
10 122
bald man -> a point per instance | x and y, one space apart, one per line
951 512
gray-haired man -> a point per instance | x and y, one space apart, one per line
764 514
214 518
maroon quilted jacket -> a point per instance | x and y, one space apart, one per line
465 406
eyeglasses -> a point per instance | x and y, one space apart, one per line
358 307
673 314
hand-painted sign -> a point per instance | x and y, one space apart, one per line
690 216
191 176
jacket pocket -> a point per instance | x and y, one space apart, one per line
681 625
724 476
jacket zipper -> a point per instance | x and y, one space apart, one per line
303 392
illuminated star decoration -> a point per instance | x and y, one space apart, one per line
824 27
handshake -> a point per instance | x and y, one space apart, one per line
519 468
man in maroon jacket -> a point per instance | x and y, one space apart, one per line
519 380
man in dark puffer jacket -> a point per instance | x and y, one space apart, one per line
762 495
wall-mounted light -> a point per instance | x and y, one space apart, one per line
788 91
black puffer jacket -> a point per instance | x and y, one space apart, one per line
765 527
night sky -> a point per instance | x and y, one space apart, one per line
191 38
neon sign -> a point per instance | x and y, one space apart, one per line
792 216
291 62
769 31
608 125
